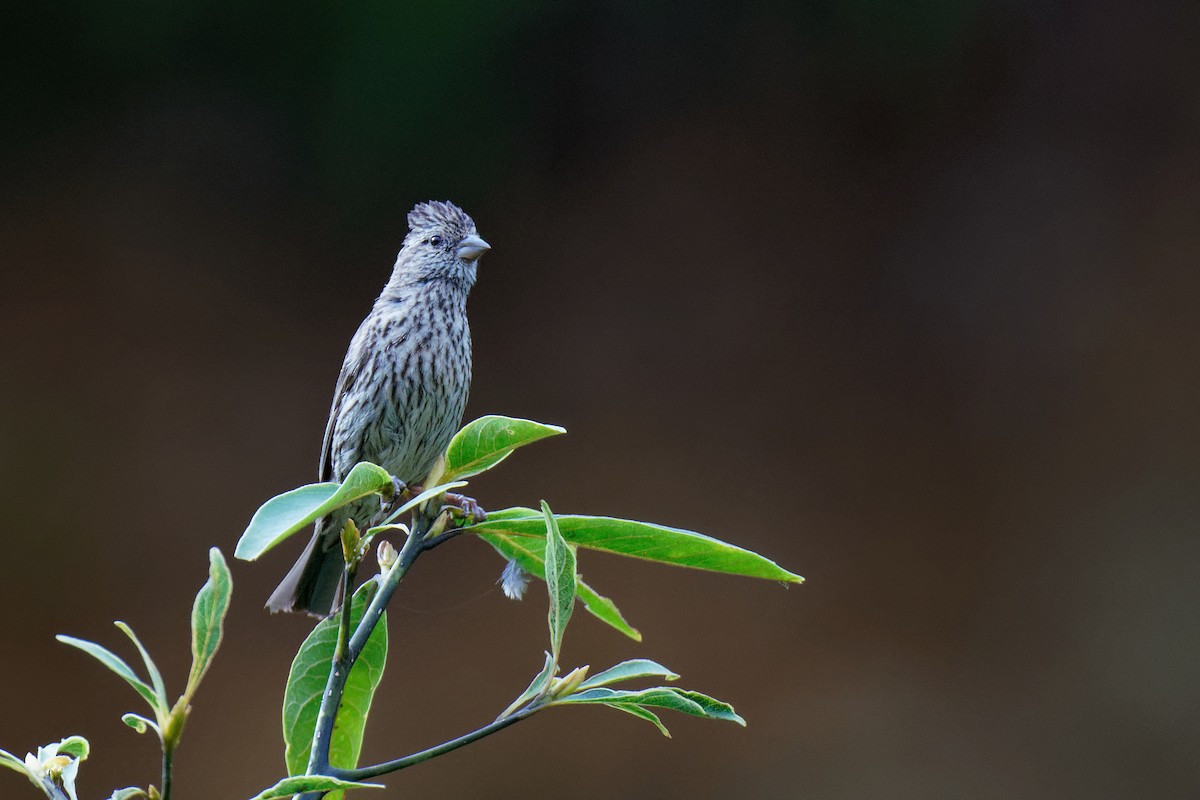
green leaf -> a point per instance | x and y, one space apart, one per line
640 540
530 554
208 619
12 762
306 684
642 713
114 663
629 670
281 516
560 581
694 703
76 747
487 441
535 687
140 723
604 609
416 501
713 708
160 690
310 783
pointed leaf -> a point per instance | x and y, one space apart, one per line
487 441
208 619
535 687
640 540
661 696
713 708
629 670
694 703
114 663
530 554
604 609
560 580
310 783
160 690
421 498
642 713
7 759
285 514
306 684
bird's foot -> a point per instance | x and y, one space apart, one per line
469 511
389 501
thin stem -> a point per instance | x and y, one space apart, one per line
442 538
168 757
53 790
395 765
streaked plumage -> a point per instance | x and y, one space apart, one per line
402 389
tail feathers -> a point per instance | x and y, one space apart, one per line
314 583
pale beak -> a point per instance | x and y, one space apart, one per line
472 248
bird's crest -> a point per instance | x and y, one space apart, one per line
438 214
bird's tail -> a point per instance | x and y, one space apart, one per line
314 583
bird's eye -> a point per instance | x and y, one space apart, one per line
435 241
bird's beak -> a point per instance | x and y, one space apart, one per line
472 248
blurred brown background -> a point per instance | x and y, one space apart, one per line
902 297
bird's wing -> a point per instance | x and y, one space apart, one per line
351 367
345 378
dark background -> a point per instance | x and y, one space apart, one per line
903 296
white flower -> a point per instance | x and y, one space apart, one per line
48 765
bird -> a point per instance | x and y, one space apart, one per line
401 392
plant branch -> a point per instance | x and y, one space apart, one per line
345 657
365 773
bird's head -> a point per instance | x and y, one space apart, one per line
441 244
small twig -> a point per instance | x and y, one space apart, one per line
53 790
364 773
442 538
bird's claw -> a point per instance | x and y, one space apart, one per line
471 511
391 500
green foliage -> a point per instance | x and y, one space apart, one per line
487 441
629 670
536 687
560 581
320 707
284 515
310 783
140 723
530 554
694 703
156 680
123 670
427 494
306 686
208 621
639 540
208 618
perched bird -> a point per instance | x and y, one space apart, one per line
402 389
